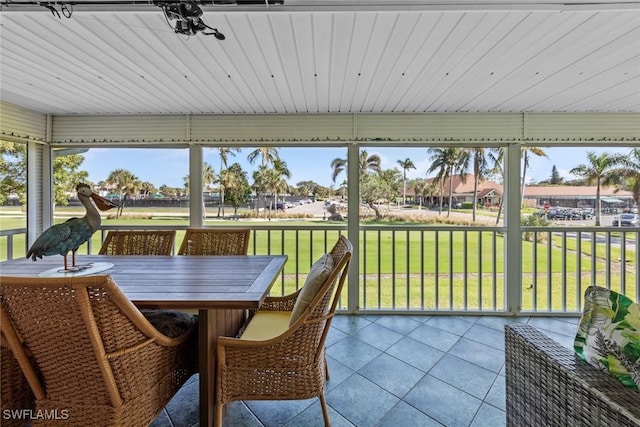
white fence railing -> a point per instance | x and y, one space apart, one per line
443 269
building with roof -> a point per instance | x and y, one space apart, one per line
568 196
490 194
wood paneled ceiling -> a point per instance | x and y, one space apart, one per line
326 57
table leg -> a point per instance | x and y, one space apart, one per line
213 323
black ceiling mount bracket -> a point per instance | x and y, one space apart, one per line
183 16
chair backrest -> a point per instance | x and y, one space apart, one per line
134 242
82 333
215 241
314 323
326 300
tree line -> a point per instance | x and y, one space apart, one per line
271 177
606 169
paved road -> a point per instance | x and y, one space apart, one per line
630 239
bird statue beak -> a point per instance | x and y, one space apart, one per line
102 203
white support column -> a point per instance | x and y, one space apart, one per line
513 239
39 187
195 186
47 178
48 200
353 224
34 198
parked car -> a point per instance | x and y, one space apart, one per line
454 204
575 214
279 206
540 213
567 214
557 213
587 213
626 220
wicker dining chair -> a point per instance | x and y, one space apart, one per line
15 393
215 241
134 242
98 361
288 360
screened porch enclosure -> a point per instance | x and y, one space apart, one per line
420 336
455 269
355 76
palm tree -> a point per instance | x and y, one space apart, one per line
525 162
277 181
446 163
147 188
185 184
208 178
261 185
103 186
126 184
267 155
480 170
631 171
432 189
420 188
600 170
367 162
225 152
439 166
338 165
344 187
496 158
208 175
167 191
405 164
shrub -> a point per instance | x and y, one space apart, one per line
534 221
417 219
130 216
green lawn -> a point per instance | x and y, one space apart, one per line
418 267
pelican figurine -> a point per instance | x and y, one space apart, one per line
68 236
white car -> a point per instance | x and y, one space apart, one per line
626 220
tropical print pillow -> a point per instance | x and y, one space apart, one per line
609 335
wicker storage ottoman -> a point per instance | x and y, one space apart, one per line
547 385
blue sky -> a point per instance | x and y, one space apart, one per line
169 166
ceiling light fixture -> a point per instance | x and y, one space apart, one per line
185 18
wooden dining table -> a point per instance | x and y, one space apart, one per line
221 288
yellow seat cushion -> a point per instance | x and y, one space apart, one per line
265 325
